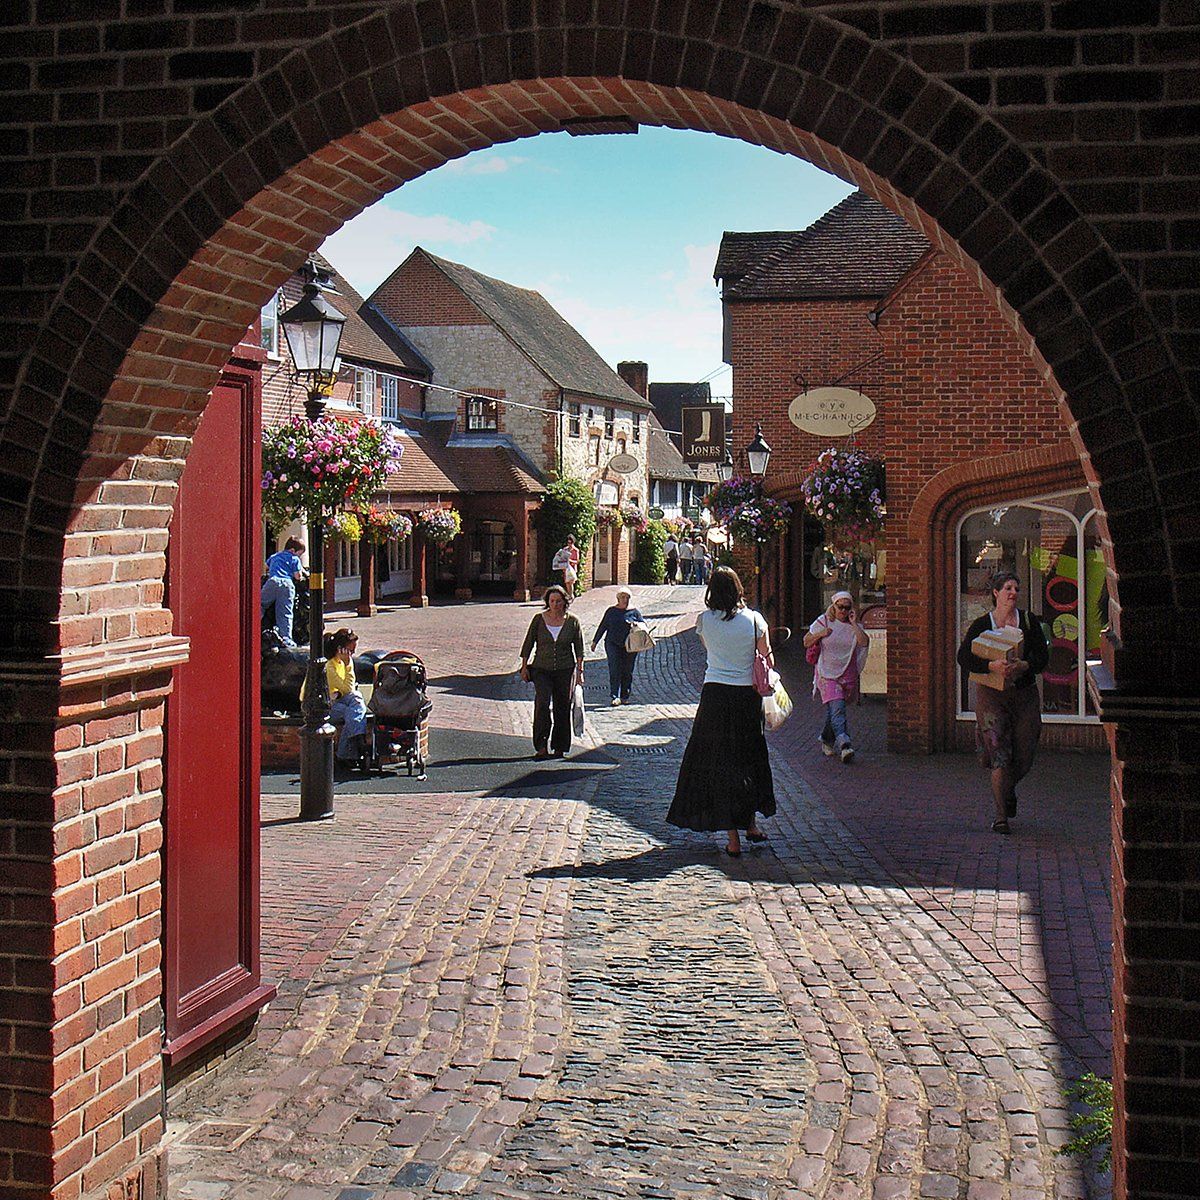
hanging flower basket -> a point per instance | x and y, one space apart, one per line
633 518
607 516
344 527
313 467
440 526
383 525
845 491
726 497
760 520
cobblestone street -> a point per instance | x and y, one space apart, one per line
535 987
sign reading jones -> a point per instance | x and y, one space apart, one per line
703 433
831 411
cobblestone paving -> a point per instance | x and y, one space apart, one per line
521 996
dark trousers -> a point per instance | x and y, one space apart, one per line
552 708
620 670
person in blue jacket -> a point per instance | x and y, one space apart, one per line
614 628
279 588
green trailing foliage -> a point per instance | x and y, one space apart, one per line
649 562
568 508
1093 1129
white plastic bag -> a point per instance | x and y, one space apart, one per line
777 707
577 711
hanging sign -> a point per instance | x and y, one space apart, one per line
831 411
623 464
703 433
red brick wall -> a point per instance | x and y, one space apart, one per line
417 293
951 385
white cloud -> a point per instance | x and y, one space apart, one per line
491 164
367 249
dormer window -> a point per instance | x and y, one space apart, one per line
481 414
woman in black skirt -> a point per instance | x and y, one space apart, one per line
725 779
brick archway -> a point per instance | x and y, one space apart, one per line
134 313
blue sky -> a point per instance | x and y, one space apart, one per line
619 233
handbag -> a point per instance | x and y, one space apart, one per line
577 711
763 674
639 638
812 654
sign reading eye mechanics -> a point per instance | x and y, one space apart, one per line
831 411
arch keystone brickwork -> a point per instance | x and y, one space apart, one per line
167 173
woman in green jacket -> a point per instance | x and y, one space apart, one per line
552 657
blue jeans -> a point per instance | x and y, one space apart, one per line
353 711
835 732
620 670
282 593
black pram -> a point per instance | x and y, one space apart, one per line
399 708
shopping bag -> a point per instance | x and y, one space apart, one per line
577 711
777 707
639 638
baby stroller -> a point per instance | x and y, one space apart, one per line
398 709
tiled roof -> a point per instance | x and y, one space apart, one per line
558 349
857 249
422 469
665 460
432 466
368 337
493 469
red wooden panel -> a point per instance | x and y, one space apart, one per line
211 961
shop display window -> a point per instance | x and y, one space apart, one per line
1052 545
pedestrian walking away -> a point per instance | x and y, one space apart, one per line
685 559
671 552
566 560
1008 714
279 588
345 700
552 659
725 778
842 655
614 628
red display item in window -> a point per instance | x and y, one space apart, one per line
1050 675
1061 606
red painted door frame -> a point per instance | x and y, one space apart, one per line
211 972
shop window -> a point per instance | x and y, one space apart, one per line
481 414
389 397
1052 545
269 320
347 559
399 555
364 390
573 420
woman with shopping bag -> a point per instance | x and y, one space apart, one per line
552 660
725 779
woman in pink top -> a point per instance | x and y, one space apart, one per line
844 645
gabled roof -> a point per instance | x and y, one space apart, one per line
431 465
368 337
555 347
858 249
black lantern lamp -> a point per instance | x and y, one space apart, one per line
313 328
725 468
758 453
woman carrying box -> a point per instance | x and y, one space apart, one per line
1008 715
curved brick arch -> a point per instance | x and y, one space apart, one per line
147 301
223 233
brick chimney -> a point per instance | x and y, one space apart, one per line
637 375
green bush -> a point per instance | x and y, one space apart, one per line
649 562
1093 1130
568 508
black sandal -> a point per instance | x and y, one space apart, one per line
755 836
1000 825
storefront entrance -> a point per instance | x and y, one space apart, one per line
493 558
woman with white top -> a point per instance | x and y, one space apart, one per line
725 779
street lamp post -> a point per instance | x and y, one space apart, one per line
758 455
313 328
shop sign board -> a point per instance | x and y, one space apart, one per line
703 428
656 513
831 411
623 464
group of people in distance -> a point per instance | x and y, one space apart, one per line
688 560
725 781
